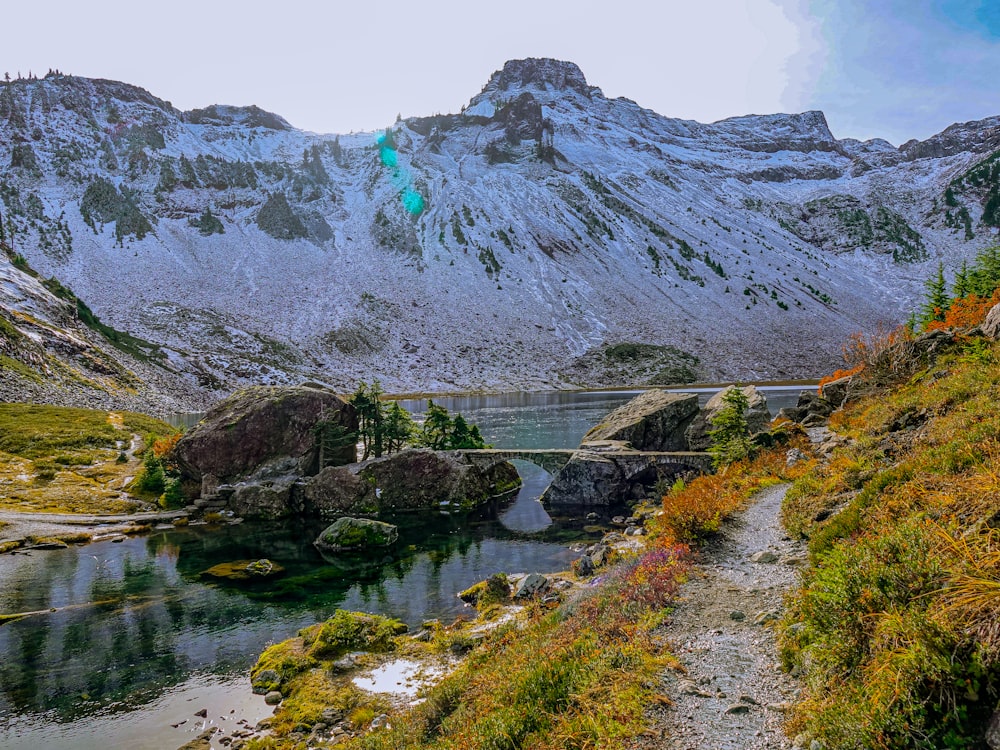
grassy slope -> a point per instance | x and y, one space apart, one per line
896 626
64 460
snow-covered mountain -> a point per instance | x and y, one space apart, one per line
546 236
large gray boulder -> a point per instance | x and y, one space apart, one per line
653 421
263 427
757 414
991 326
422 478
587 479
266 501
337 491
417 479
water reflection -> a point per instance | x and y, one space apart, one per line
526 513
134 619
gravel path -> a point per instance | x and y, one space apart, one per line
731 693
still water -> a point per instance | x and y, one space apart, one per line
135 640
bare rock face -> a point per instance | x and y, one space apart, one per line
757 414
588 479
422 478
338 490
264 426
653 421
991 326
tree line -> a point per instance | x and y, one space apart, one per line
386 427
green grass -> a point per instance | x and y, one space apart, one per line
894 628
37 431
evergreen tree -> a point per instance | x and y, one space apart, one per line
399 427
960 289
461 435
437 427
367 403
731 434
937 301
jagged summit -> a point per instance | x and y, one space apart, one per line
538 75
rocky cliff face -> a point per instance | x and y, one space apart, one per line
513 245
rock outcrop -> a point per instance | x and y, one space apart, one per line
991 326
588 479
264 429
653 421
811 409
757 415
422 478
417 479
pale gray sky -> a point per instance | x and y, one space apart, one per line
337 67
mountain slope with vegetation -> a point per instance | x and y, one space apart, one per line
520 243
895 627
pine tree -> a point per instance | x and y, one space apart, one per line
367 403
399 428
960 289
731 434
437 427
937 302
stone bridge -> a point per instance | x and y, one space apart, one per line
592 477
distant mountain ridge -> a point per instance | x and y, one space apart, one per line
526 242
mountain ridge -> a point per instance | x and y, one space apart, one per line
552 225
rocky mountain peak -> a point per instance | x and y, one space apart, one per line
977 136
534 74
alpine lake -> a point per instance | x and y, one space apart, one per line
135 639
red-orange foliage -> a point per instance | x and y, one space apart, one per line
966 312
838 374
165 445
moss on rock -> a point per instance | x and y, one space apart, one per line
356 534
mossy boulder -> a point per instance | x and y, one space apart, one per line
278 665
494 590
351 631
265 427
356 535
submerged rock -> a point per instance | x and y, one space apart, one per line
653 421
245 570
356 534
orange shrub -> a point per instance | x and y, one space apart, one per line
966 312
838 374
165 445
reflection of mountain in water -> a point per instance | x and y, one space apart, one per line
149 619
